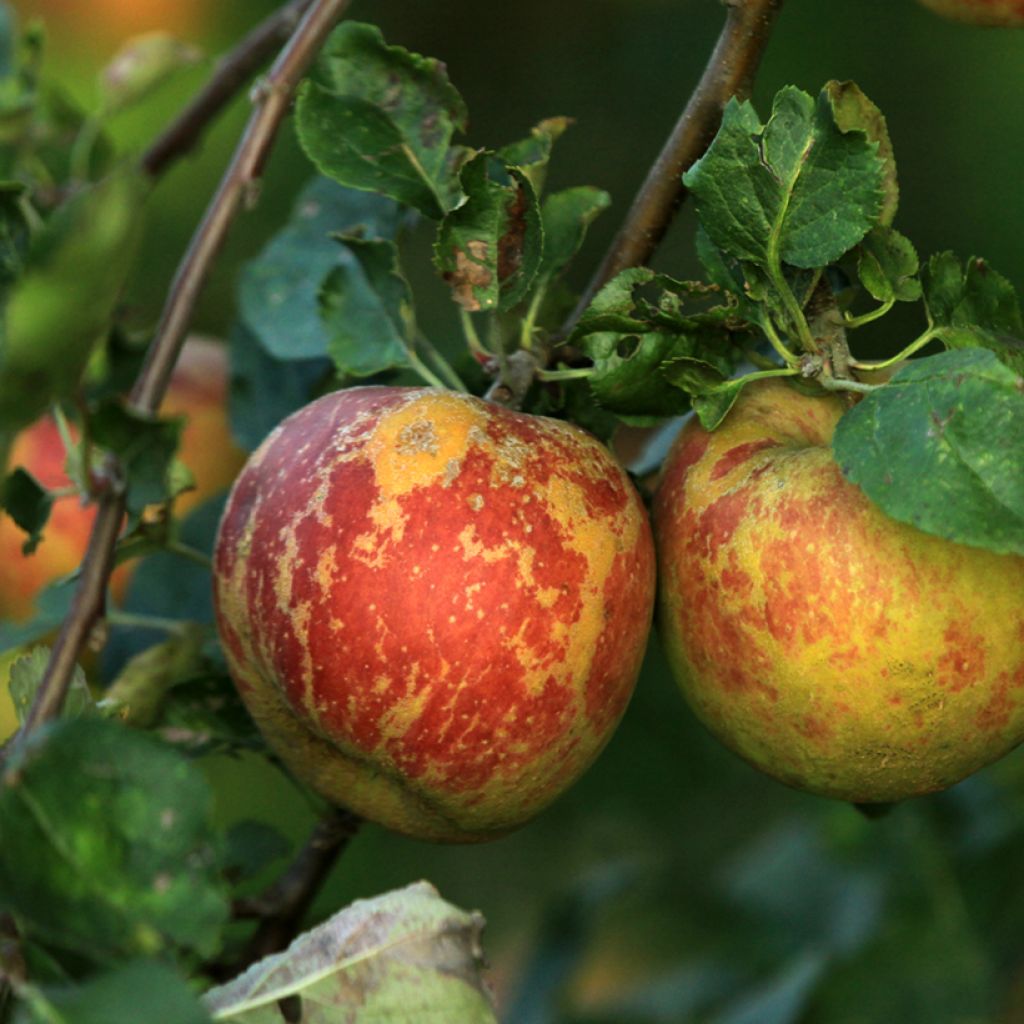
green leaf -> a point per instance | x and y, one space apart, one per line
797 189
379 118
974 306
712 393
853 111
625 378
263 389
142 990
938 447
367 309
140 690
887 265
278 291
531 155
28 503
631 340
65 301
613 308
26 675
106 844
489 249
722 270
202 712
565 217
145 446
406 955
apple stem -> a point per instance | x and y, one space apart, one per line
570 373
827 324
853 322
788 357
478 349
919 342
530 320
454 381
842 384
176 547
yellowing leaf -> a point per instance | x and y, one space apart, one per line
404 956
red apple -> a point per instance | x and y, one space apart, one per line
1004 13
832 647
198 391
434 608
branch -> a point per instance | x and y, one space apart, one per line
229 76
271 103
282 907
730 72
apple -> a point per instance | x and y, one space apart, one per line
829 645
434 607
1004 13
115 19
198 391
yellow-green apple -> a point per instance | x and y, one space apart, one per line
198 391
833 647
435 608
1004 13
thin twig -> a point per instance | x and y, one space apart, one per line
281 908
271 104
730 72
230 75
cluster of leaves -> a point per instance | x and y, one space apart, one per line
796 237
795 233
328 292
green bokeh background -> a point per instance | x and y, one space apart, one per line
673 884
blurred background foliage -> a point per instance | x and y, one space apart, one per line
673 884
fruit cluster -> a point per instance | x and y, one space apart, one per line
435 608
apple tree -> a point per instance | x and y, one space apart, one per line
448 386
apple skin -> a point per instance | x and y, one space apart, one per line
198 391
999 13
434 608
836 649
